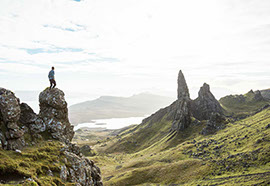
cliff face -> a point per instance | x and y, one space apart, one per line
20 127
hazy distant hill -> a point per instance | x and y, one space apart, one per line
117 107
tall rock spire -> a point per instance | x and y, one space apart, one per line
182 90
182 116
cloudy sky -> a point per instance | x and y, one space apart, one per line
122 47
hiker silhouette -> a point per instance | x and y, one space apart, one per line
52 79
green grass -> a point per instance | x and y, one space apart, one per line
142 137
242 105
33 162
236 155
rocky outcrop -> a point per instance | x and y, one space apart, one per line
18 119
265 93
31 122
215 123
87 150
82 171
255 96
11 134
54 114
20 126
79 169
205 104
183 109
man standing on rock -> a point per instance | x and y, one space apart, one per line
51 78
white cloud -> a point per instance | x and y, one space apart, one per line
128 46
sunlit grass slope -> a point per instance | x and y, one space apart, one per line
236 155
242 105
34 163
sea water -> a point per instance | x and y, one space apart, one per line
113 123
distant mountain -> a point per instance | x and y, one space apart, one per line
107 107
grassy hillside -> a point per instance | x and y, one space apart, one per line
242 105
236 155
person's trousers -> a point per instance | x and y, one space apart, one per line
52 83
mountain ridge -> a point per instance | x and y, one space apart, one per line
106 107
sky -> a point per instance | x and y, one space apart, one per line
124 47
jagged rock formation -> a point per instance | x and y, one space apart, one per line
257 95
201 108
20 126
183 109
205 104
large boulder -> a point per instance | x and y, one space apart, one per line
11 134
31 120
54 113
80 170
215 123
205 104
77 168
9 106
